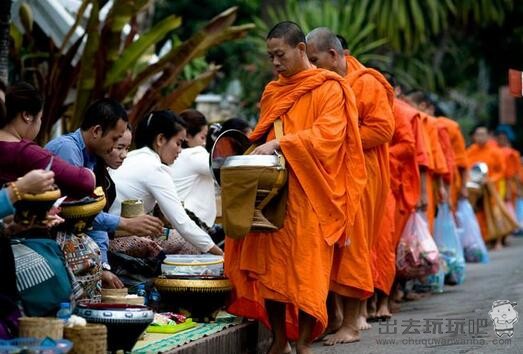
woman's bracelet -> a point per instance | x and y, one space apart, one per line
15 191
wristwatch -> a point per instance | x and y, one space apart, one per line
106 266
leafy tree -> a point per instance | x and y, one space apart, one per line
111 63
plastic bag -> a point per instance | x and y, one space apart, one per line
470 234
449 245
519 216
417 254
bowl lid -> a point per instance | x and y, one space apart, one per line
42 197
229 143
84 207
252 160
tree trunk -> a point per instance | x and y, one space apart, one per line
5 15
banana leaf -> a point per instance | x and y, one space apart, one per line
61 78
88 67
78 18
185 94
131 54
218 30
211 35
120 14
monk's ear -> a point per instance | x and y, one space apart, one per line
333 53
302 47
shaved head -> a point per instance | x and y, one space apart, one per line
289 31
325 40
286 49
325 51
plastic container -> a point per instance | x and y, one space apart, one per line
35 345
154 300
140 291
193 265
65 311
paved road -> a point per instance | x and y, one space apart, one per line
459 317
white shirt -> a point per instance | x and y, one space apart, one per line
195 184
143 176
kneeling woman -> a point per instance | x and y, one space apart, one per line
145 175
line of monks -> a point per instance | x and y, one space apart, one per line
361 158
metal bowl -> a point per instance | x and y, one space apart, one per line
252 160
479 173
125 323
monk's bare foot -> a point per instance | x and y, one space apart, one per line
398 294
304 349
498 246
335 322
383 312
343 335
363 325
394 307
332 327
371 308
280 348
413 296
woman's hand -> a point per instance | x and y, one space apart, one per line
53 220
111 281
216 251
35 182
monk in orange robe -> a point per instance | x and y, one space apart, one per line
458 186
438 168
354 270
414 185
512 164
492 155
402 198
282 278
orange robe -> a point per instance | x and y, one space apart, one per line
492 155
460 156
423 160
354 270
322 147
403 196
512 166
437 164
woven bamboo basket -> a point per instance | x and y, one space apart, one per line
91 339
41 327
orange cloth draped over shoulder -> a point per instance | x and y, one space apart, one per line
438 163
354 270
460 156
403 195
322 148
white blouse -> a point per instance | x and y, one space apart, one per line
195 184
143 176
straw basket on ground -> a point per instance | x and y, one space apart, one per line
91 339
41 327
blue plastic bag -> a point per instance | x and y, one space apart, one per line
470 234
449 245
519 216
